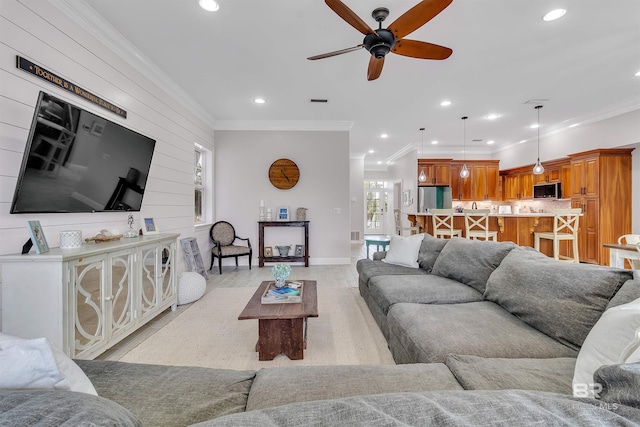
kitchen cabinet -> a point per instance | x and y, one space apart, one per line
437 172
85 300
460 187
484 181
601 186
518 186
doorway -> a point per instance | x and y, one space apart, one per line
377 197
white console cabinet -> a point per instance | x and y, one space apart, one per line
85 300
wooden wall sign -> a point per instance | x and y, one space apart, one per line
43 73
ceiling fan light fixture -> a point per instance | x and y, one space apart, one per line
538 169
209 5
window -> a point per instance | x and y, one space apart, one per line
202 183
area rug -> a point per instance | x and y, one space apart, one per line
209 334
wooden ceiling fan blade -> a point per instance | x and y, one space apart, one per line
349 16
337 52
422 50
375 68
416 17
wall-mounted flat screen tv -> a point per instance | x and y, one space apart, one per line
76 161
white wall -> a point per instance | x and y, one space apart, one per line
39 32
405 170
356 192
241 181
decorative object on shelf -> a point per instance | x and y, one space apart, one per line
422 177
70 239
269 217
464 173
280 273
130 232
149 226
301 214
283 250
262 210
299 250
283 213
37 237
191 287
538 169
268 251
284 174
104 236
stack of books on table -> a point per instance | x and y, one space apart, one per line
290 293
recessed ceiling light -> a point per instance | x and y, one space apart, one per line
434 142
554 14
209 5
491 141
371 151
445 103
638 74
379 162
493 116
534 126
259 101
384 135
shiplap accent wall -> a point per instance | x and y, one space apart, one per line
39 32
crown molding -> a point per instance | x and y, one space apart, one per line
284 125
93 23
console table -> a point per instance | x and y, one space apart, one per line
262 259
84 300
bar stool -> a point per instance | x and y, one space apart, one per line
443 223
565 227
399 228
476 224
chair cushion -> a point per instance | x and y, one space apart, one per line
231 250
563 300
471 261
223 232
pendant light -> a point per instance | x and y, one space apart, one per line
464 173
422 177
538 169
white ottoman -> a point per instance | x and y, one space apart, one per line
191 286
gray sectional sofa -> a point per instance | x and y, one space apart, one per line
484 334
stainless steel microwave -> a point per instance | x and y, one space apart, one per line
547 191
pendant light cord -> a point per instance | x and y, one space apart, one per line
464 139
538 107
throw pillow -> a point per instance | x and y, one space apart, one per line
429 251
404 250
560 299
471 261
29 364
619 384
613 340
75 378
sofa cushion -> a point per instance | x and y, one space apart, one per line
280 386
62 408
628 292
513 408
479 373
368 268
471 261
620 384
425 333
170 395
563 300
404 250
615 336
430 289
429 251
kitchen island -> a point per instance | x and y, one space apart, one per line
517 228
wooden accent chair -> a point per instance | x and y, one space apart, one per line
223 236
442 220
565 227
476 224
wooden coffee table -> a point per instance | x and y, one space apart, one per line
282 327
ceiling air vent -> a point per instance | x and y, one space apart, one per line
476 140
319 100
536 101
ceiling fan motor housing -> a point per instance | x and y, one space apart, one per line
379 43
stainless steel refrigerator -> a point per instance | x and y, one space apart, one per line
434 197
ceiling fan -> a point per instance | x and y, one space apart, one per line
382 41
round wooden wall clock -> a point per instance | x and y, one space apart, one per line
284 174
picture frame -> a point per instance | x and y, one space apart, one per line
96 129
37 236
299 250
268 251
283 213
149 226
406 198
